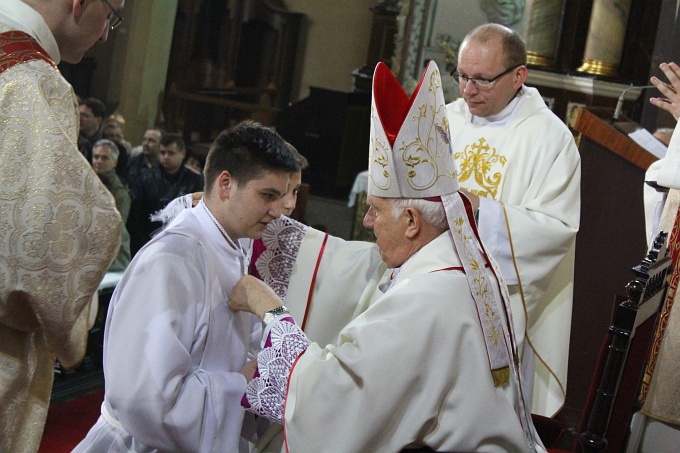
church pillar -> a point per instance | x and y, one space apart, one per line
606 36
142 54
542 25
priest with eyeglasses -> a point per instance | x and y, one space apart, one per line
520 167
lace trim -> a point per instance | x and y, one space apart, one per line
172 210
282 240
266 392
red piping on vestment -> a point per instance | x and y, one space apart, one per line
311 286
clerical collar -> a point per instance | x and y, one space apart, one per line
503 117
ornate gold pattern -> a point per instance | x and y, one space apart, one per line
664 317
59 230
477 161
490 319
379 154
422 153
431 145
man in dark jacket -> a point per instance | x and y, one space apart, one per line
160 185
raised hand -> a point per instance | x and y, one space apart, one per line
670 89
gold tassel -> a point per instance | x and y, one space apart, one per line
501 376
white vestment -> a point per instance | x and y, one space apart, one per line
59 228
173 350
526 169
427 325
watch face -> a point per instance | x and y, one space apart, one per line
267 318
271 314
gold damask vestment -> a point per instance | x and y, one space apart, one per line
59 230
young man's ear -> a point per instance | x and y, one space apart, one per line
225 185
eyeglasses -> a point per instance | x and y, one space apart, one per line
479 83
114 17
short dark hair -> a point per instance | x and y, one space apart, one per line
169 139
98 108
246 151
301 159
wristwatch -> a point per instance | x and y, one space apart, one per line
269 316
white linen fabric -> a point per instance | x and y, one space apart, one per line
526 169
173 350
426 321
669 173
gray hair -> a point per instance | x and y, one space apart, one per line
113 148
432 211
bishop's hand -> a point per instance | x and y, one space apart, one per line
671 90
252 295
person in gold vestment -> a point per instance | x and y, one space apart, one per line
657 427
59 228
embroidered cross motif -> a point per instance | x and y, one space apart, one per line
476 161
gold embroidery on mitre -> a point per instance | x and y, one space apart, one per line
430 149
477 160
380 155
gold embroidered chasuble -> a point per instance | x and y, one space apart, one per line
59 231
661 388
529 169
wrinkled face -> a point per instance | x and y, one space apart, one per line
89 124
171 157
150 142
90 24
290 198
486 61
254 204
101 160
389 231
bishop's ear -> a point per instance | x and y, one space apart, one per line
414 222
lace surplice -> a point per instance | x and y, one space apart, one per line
284 342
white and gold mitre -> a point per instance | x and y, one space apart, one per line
410 152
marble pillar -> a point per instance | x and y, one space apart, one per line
541 31
606 35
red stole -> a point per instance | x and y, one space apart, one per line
18 47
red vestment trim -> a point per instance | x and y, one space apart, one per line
283 421
459 268
674 248
18 47
311 286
